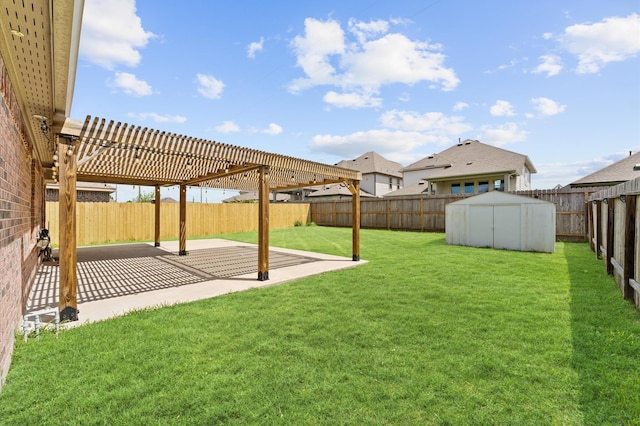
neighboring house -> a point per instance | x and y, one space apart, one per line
87 192
471 167
379 175
420 188
336 191
622 171
252 197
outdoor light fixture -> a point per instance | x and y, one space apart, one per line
623 198
605 200
70 150
137 155
189 162
43 122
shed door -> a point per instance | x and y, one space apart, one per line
480 226
494 226
506 227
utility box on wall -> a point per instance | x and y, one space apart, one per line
500 220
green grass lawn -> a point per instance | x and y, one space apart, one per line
425 333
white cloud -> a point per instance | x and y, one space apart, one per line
546 106
502 135
550 65
381 141
158 118
209 86
613 39
502 109
227 127
112 33
321 39
363 65
254 47
272 130
396 59
459 106
130 84
367 30
434 123
352 100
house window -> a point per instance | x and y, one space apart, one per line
469 187
390 183
455 188
483 187
498 185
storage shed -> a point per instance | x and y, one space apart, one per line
500 220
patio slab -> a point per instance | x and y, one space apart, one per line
116 279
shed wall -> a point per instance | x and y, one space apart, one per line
523 227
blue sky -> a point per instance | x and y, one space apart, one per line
556 80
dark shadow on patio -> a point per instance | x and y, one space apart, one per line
113 271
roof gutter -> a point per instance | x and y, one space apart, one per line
450 177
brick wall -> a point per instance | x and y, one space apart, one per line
82 196
21 214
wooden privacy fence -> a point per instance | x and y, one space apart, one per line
118 222
614 234
427 213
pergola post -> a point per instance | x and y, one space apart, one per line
68 301
263 224
354 187
183 221
157 218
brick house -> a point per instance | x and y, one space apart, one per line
35 100
87 192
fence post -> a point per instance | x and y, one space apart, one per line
629 244
610 234
597 224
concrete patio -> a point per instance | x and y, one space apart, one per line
116 279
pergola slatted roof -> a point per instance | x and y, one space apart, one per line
113 152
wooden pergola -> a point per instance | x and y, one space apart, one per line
98 150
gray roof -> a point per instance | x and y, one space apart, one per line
336 189
372 162
613 174
245 196
419 188
500 198
471 157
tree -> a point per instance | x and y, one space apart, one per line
144 197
